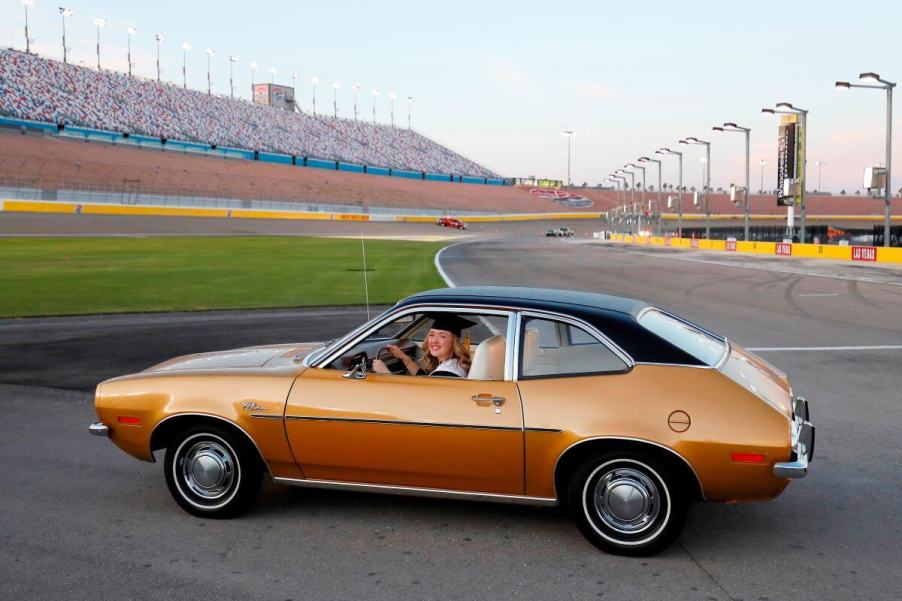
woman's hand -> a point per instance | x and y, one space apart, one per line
379 367
396 351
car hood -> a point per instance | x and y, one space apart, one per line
249 357
760 378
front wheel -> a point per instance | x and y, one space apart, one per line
627 504
212 472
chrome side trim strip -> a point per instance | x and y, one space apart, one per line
556 430
701 488
414 491
392 422
264 416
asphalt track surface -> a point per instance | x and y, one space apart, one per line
81 520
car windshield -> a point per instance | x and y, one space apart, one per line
705 347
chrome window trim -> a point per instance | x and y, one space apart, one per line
723 339
698 480
686 365
366 329
592 330
415 491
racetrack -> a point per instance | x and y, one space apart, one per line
82 520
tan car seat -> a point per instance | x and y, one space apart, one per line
488 360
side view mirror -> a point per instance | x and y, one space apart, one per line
358 372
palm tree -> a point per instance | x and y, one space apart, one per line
842 192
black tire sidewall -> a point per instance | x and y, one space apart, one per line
248 476
664 530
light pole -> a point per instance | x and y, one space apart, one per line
356 88
763 163
747 131
315 82
621 187
375 93
658 217
409 109
232 61
26 4
335 87
253 67
888 187
707 183
679 155
786 108
99 23
391 101
569 133
272 74
644 205
819 165
129 31
186 46
160 39
64 12
209 52
632 191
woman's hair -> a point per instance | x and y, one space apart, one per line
459 351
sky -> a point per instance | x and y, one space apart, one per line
499 81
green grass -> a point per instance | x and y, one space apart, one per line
77 276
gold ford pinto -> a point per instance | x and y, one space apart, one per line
621 411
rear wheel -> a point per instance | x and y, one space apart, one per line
627 503
212 472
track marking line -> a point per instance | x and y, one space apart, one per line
819 294
875 347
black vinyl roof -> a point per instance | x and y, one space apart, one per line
514 295
614 316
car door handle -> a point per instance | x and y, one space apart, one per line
484 399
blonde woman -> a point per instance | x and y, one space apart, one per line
444 354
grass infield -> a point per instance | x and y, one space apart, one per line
88 275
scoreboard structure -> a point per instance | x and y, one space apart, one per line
270 94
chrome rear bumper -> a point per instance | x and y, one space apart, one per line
99 429
802 436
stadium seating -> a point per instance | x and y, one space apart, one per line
39 89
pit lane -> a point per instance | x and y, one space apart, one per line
82 520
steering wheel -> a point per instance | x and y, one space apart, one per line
394 364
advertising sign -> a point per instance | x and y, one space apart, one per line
783 248
864 253
787 157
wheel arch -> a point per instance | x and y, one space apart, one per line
580 451
169 427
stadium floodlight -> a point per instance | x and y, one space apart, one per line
99 23
26 4
315 82
409 109
209 52
253 67
160 39
728 127
569 133
356 88
820 165
679 155
391 100
65 12
786 108
706 182
874 79
129 32
185 48
335 86
375 93
232 61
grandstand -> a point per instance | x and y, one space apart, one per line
39 89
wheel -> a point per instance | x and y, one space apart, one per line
212 472
627 503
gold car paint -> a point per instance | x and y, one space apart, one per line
636 405
407 431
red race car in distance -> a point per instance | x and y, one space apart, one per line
451 222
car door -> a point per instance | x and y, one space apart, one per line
409 431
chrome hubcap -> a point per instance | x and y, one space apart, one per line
208 469
627 500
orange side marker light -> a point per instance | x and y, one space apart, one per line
748 457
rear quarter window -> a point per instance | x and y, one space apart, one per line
694 341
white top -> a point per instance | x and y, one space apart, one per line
449 366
